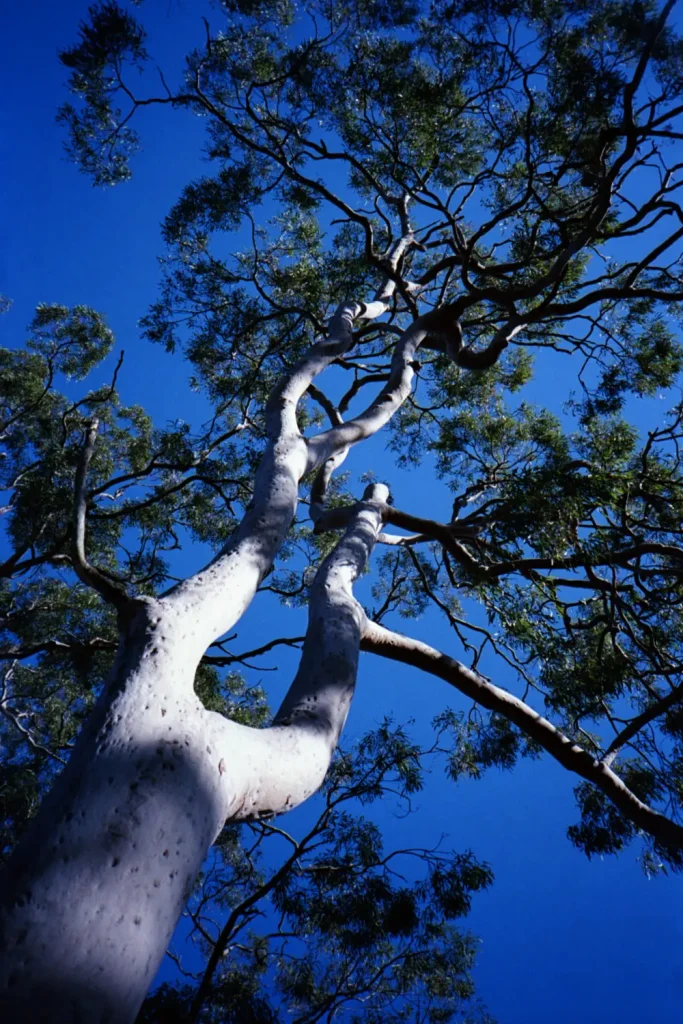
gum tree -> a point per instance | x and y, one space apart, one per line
348 926
430 197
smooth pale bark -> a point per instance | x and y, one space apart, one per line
392 396
220 594
96 888
94 891
382 408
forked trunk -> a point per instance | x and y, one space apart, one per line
95 890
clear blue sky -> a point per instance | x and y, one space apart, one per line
563 940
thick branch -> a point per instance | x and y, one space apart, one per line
443 532
379 640
268 771
380 411
382 298
226 587
392 396
427 529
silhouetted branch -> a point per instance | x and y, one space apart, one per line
111 592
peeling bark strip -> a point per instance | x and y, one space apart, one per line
378 640
96 888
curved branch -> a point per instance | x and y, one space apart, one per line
633 727
226 586
269 771
403 366
380 411
378 640
221 660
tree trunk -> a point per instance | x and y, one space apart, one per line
95 890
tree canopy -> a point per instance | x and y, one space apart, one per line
502 179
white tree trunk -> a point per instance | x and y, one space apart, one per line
96 888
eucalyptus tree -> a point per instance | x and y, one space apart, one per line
349 929
373 938
430 195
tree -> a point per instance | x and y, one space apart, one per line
386 942
451 188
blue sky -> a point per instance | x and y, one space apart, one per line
562 939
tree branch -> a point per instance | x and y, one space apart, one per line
269 771
633 727
378 640
111 592
221 660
